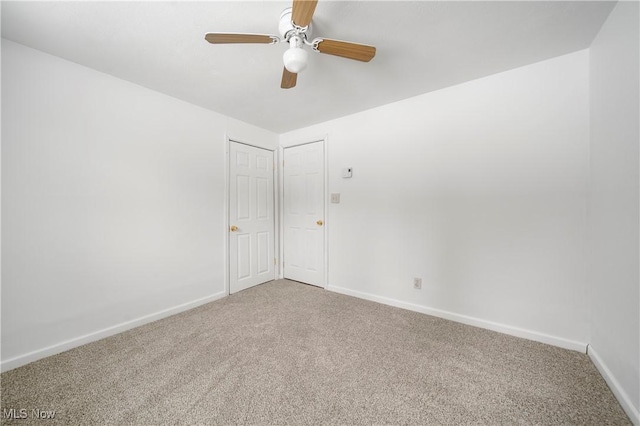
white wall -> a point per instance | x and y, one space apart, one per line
113 203
613 207
480 190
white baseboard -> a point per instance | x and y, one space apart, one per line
476 322
620 394
21 360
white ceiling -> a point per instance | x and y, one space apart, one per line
421 46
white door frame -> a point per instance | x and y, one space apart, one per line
280 212
276 207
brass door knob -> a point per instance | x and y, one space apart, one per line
233 228
319 222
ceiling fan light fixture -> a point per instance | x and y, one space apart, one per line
295 58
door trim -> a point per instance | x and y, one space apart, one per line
327 220
227 192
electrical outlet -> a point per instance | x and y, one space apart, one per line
417 283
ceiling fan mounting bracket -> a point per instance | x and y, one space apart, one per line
300 30
314 43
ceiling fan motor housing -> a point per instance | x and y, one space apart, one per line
286 28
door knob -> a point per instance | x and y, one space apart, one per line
319 222
233 228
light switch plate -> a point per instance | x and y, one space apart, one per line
335 198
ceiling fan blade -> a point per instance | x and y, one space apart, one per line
225 38
345 49
303 12
289 79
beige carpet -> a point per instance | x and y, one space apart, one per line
287 353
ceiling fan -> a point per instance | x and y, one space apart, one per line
295 29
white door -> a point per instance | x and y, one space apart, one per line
251 217
303 222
